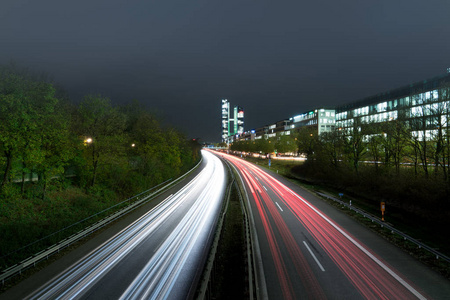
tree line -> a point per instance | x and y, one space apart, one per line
404 161
96 143
280 144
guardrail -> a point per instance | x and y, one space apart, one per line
392 229
46 253
249 243
257 281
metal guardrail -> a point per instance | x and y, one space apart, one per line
46 253
392 229
257 281
208 273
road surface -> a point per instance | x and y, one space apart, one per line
311 251
160 255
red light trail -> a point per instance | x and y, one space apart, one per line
370 275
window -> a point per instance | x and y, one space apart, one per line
341 116
435 95
445 93
416 111
382 106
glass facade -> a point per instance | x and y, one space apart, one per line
424 106
225 119
231 125
324 120
240 120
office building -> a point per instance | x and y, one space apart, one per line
232 126
225 120
423 106
321 120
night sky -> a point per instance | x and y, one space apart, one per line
274 58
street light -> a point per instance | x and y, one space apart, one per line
87 141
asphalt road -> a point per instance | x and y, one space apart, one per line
310 250
159 251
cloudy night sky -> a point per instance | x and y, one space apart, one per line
274 58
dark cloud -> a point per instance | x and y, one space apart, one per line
274 58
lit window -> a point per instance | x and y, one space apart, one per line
435 94
382 107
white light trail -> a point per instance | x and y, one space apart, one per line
175 255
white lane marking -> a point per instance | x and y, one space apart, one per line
315 258
264 188
279 206
376 260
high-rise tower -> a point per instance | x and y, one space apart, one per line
238 120
231 125
225 120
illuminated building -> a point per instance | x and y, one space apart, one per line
231 125
225 120
321 119
423 106
238 120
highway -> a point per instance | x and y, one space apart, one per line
306 254
158 256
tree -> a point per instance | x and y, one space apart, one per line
101 126
439 122
285 144
13 114
307 140
264 145
55 144
419 140
26 103
332 147
355 146
394 138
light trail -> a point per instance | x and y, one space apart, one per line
267 210
168 272
369 274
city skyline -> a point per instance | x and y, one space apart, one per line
274 59
406 102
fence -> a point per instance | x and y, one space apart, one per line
392 229
131 204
